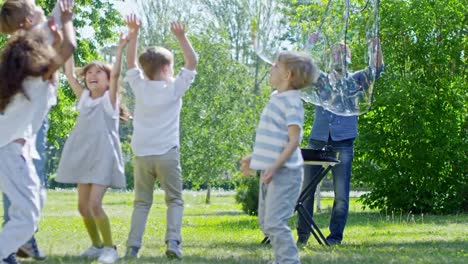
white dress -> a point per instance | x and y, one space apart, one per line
92 153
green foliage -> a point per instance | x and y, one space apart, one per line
247 194
218 118
412 152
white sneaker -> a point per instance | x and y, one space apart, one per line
109 255
92 252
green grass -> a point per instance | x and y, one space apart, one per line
221 233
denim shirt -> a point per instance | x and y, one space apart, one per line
338 127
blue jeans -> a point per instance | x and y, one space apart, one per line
41 141
341 185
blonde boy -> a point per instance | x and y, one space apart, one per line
155 140
276 152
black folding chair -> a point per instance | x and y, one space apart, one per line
326 159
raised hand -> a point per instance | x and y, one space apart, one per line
178 29
313 38
66 10
57 34
123 41
133 23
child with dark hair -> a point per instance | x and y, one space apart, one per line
27 69
18 15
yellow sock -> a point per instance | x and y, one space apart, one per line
105 230
93 232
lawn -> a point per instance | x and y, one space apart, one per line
221 233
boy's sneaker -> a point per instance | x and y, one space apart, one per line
132 252
10 259
173 250
31 250
108 255
92 252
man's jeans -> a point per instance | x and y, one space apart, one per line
40 165
341 184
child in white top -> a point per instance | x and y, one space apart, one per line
27 68
92 156
276 152
17 15
155 141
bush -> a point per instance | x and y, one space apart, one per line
247 194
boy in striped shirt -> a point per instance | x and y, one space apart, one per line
277 154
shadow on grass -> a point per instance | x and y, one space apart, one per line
230 225
247 253
159 259
377 219
375 252
253 245
216 213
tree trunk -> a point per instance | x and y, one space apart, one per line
208 194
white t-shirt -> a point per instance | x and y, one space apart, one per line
157 111
24 116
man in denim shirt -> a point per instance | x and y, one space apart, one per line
337 133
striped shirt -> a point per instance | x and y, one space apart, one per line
283 110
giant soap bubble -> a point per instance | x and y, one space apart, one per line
326 30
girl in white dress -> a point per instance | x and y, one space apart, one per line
92 156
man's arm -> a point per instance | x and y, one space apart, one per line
363 77
377 53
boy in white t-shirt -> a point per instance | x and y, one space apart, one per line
155 139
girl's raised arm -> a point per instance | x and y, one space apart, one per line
71 77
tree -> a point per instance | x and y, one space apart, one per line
219 117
